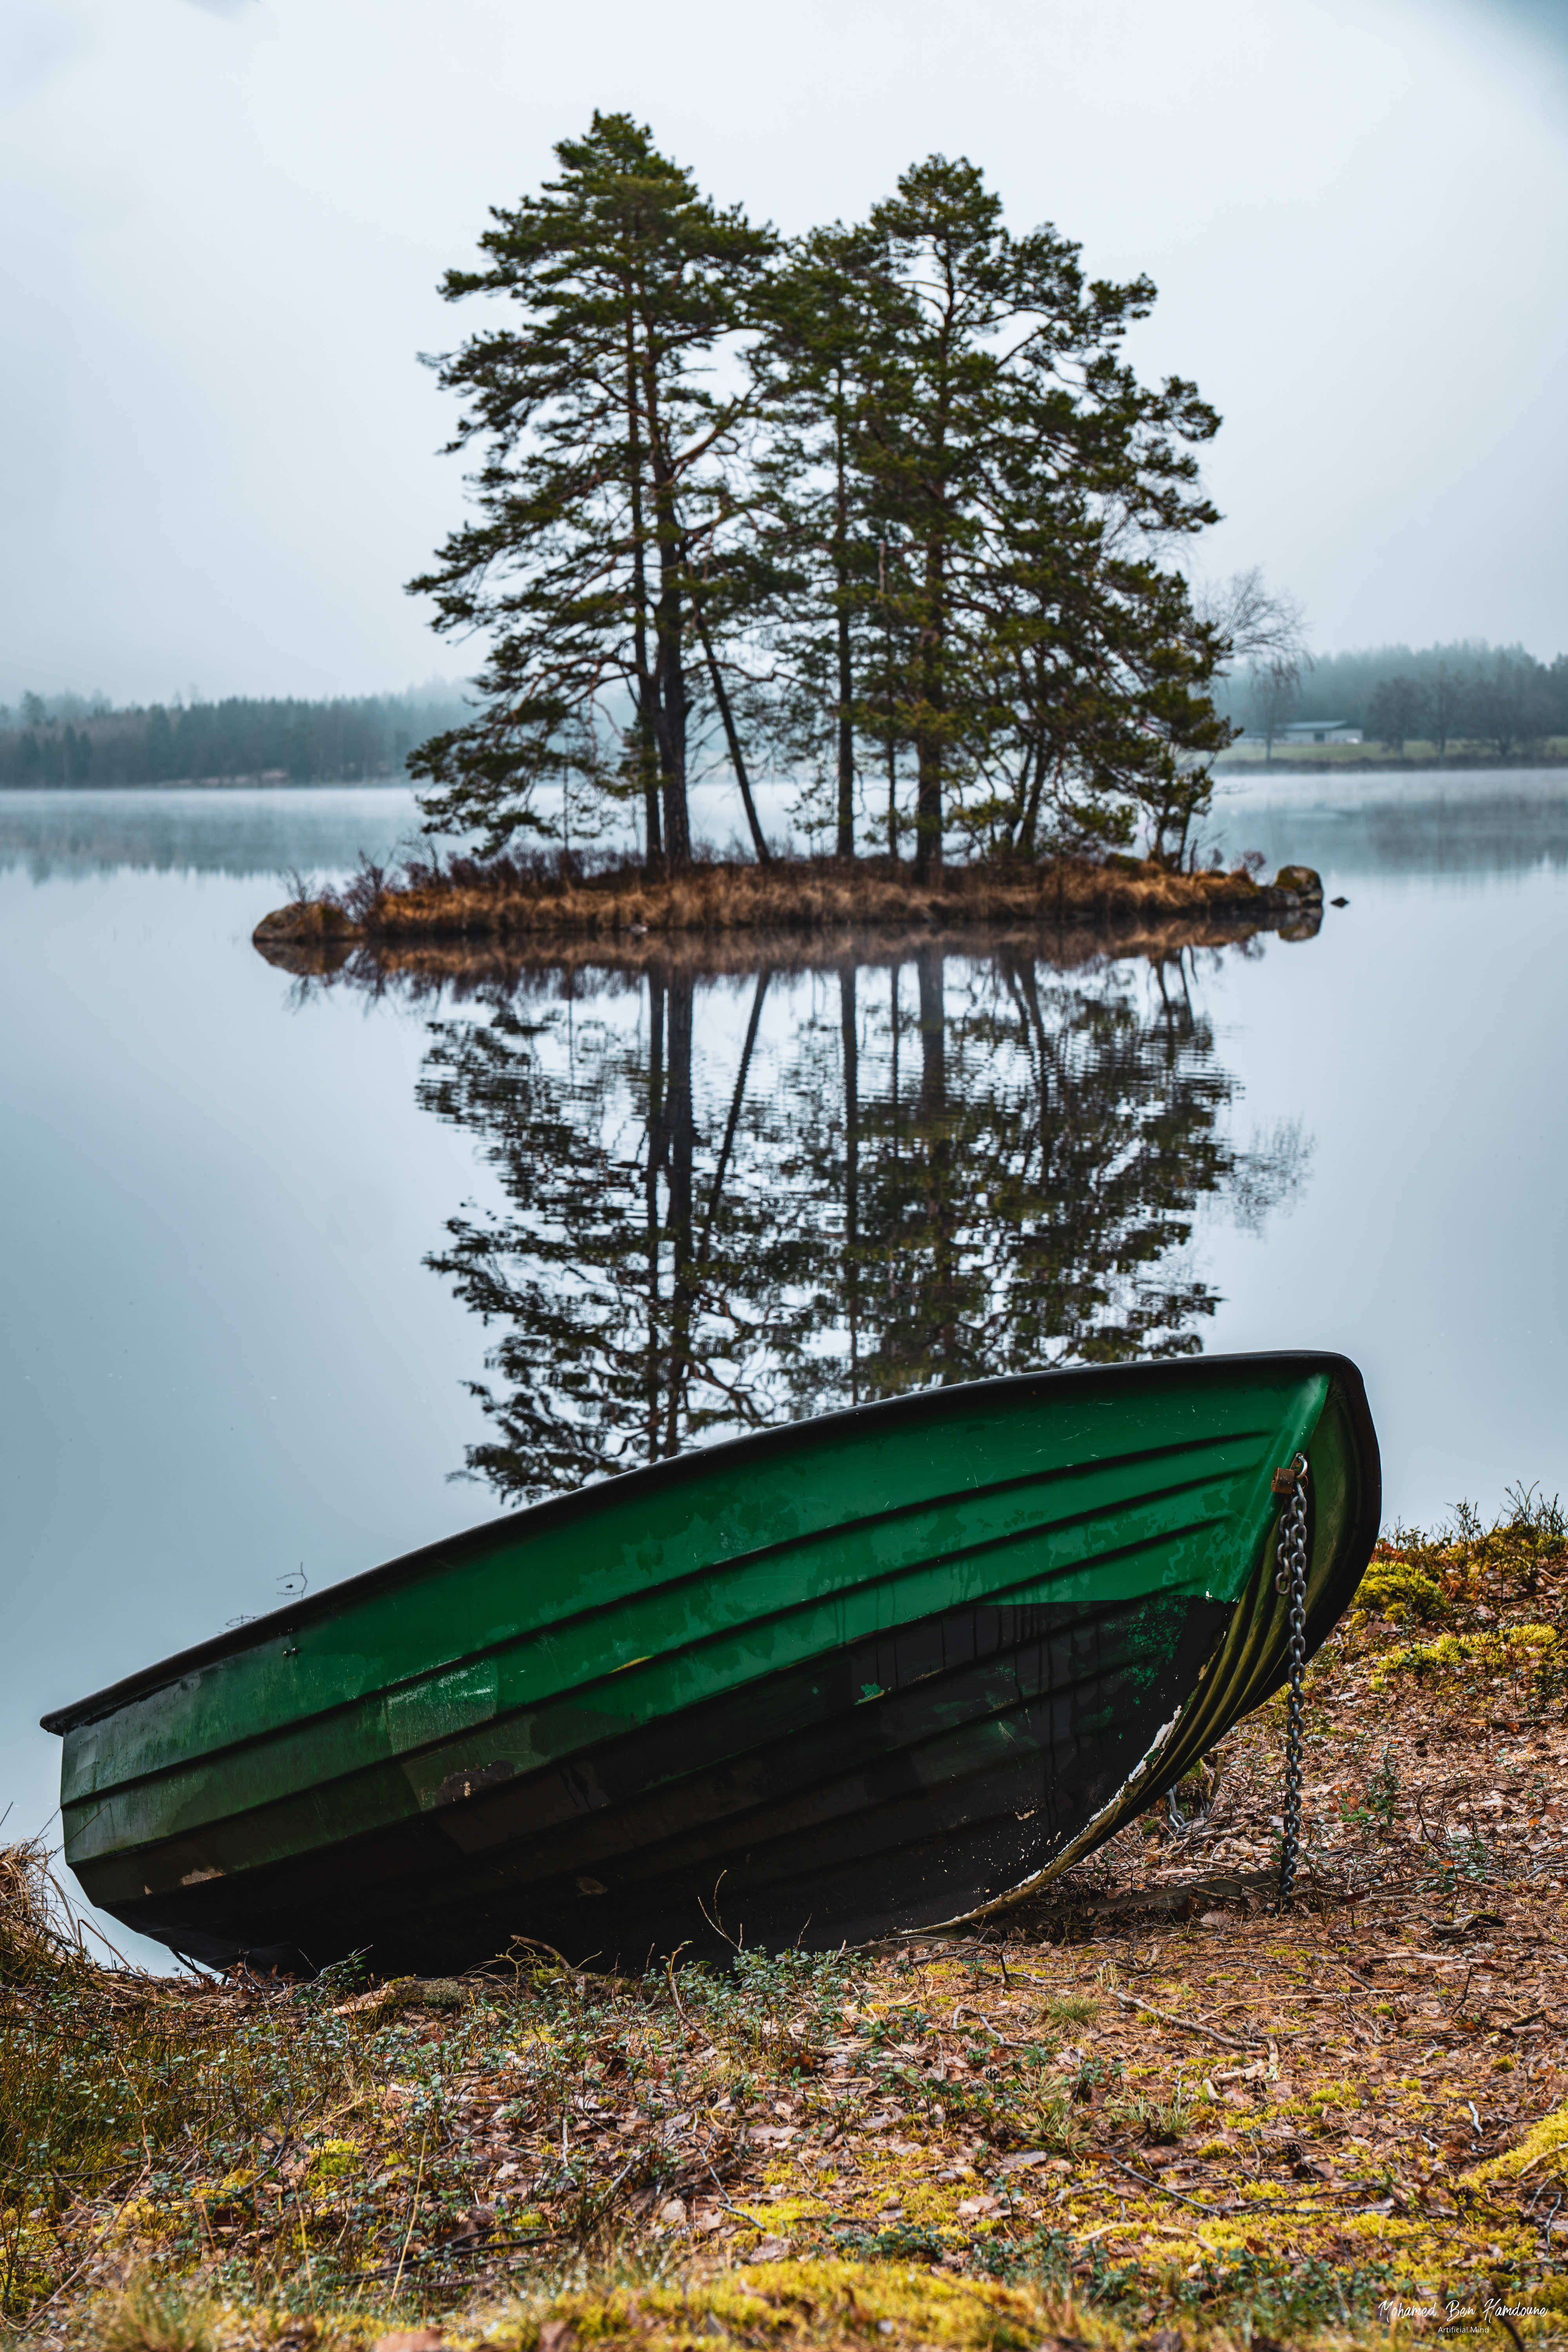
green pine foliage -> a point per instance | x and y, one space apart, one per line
885 510
607 500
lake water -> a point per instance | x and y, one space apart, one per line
302 1274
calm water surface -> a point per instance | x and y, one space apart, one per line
302 1274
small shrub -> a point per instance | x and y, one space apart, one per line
1069 2009
152 2316
1541 1524
1396 1587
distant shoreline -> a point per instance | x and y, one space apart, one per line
268 780
1312 759
1321 759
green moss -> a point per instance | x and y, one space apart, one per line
1543 2140
1409 1586
1454 1654
825 2303
335 2158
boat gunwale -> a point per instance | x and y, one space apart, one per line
654 1478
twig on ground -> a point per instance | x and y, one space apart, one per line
1187 2025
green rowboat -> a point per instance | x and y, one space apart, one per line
870 1673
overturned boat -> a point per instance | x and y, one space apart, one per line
860 1675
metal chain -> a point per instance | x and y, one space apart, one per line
1291 1577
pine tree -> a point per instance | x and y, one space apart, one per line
1102 716
827 309
1024 483
923 446
602 491
931 518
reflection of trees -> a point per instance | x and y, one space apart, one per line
632 1276
992 1170
1021 1196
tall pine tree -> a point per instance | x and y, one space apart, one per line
978 493
828 309
894 495
603 495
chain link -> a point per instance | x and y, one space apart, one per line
1291 1577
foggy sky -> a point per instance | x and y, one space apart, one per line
222 222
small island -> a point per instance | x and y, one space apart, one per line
508 902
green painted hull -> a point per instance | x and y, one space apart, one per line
857 1675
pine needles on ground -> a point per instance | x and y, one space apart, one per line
1146 2104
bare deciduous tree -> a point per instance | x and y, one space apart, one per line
1260 624
1265 629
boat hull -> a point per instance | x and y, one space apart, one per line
858 1676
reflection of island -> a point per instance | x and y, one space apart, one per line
721 1212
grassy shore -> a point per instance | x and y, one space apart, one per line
512 901
1148 2112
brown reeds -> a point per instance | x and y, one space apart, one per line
37 1937
511 900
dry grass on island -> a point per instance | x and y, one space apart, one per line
514 900
1146 2114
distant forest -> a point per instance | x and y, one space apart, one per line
1495 700
1480 697
69 740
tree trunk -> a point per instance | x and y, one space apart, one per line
1031 783
930 966
848 1031
669 667
732 737
929 745
679 1138
893 1026
677 813
650 1208
646 741
733 1121
942 1346
844 846
670 1150
892 742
